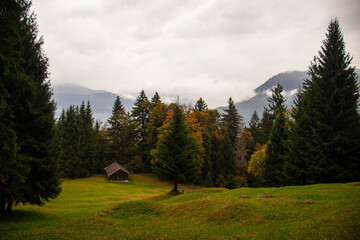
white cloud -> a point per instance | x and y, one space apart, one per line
209 48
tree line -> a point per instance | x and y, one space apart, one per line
316 141
132 139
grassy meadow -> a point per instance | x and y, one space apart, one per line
94 208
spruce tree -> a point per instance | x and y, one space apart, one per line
276 104
329 118
295 167
231 120
276 152
175 157
23 66
141 115
114 130
155 99
201 105
254 127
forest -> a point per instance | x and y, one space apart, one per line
316 141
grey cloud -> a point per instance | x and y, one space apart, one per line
209 48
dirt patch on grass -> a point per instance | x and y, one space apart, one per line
232 212
245 196
265 195
197 207
258 218
304 203
133 209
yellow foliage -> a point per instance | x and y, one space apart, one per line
257 163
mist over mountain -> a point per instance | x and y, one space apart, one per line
101 101
291 82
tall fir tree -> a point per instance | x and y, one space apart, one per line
155 99
329 114
141 115
276 104
231 120
254 127
175 157
25 84
276 152
201 105
114 130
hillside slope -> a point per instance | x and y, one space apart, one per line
94 208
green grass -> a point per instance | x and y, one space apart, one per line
96 209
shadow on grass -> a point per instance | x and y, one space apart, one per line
22 215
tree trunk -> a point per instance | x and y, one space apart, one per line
9 207
2 205
175 191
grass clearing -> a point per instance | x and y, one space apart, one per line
96 209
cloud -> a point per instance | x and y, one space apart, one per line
209 48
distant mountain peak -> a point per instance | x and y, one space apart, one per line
289 80
72 88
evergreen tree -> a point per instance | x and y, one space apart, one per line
103 148
254 127
276 104
114 130
28 108
231 120
174 158
141 115
276 151
228 168
201 105
276 101
329 118
266 124
295 168
155 99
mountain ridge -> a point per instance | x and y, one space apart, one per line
102 101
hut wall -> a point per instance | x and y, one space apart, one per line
119 176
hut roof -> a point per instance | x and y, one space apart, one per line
114 167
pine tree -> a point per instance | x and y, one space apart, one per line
329 118
28 107
201 105
114 130
103 147
276 104
174 158
141 115
276 152
295 168
231 120
254 127
155 99
228 168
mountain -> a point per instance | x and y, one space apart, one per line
291 82
101 101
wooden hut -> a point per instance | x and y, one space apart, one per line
116 172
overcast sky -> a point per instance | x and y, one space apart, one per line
211 48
